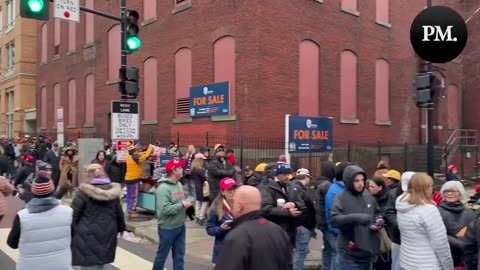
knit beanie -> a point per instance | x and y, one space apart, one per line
282 168
42 188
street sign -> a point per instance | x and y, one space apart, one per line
60 127
122 152
125 120
67 10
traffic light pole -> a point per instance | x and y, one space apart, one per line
429 121
123 24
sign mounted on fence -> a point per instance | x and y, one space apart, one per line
125 120
122 152
210 100
67 10
309 134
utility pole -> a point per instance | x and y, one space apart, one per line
430 108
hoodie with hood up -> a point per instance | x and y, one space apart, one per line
424 237
352 213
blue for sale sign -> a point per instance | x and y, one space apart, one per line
309 134
210 100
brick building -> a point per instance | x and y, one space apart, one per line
349 59
18 54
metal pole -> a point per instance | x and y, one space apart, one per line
430 122
123 24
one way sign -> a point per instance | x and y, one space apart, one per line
67 10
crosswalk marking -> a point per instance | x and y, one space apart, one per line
124 260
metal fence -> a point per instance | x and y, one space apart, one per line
254 150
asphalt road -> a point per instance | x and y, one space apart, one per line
132 252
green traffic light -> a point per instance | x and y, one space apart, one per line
133 43
36 5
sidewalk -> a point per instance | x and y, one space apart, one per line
200 245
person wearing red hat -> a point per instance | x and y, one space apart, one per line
26 171
172 206
220 215
452 173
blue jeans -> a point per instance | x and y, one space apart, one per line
329 252
396 257
173 239
301 247
343 264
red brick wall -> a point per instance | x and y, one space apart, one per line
267 36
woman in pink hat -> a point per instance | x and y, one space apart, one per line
220 215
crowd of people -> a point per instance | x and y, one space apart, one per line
262 217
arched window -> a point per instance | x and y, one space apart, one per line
56 101
350 4
382 92
224 65
89 23
348 86
44 46
150 88
149 9
89 100
183 81
43 108
114 51
72 103
72 36
309 78
383 11
453 103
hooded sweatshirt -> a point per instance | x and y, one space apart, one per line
170 211
352 213
424 237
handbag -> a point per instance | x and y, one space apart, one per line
206 189
385 242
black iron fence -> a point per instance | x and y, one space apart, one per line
254 150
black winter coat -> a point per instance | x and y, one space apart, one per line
382 200
390 214
4 164
114 171
217 170
455 217
199 179
97 220
271 192
320 194
299 194
254 180
471 243
250 237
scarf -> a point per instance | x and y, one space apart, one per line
100 181
37 205
227 209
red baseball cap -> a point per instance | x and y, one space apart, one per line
29 159
227 183
173 164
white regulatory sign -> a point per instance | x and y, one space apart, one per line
67 10
125 120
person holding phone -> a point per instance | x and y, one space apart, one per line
220 215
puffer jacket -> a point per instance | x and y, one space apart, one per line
97 220
424 237
320 195
214 229
135 165
455 217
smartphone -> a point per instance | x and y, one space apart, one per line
228 222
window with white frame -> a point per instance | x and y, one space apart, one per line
10 47
11 14
10 111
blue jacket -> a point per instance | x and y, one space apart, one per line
213 229
331 194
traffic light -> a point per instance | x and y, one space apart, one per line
129 82
133 43
425 89
35 9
